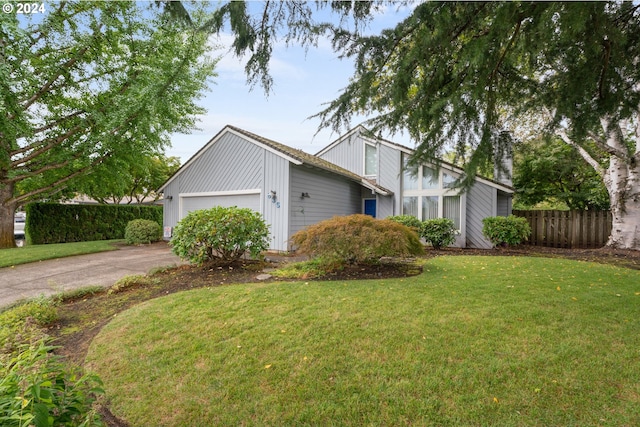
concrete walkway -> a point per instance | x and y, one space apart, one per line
63 274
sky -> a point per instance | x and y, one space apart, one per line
302 84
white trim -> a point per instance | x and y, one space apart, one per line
364 159
222 193
367 184
182 196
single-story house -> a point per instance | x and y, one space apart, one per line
355 174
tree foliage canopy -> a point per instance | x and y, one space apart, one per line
89 81
465 73
554 172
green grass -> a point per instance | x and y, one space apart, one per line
473 341
33 253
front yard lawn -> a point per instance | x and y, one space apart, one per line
473 340
33 253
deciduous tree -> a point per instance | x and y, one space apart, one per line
87 82
129 180
553 172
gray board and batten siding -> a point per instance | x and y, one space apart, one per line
329 195
485 198
293 189
231 171
240 168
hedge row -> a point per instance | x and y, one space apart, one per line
56 223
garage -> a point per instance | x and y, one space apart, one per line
242 199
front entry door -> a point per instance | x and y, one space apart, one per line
370 207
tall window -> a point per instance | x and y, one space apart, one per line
429 178
447 180
410 206
451 209
409 175
370 160
429 207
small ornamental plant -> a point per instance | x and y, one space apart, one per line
509 230
439 232
141 231
220 235
357 239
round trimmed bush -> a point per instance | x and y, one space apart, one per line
220 234
506 230
439 232
141 231
357 239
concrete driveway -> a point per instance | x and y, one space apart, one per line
63 274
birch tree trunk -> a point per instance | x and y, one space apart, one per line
622 180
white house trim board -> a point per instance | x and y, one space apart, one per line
222 193
182 196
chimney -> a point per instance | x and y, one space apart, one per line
503 159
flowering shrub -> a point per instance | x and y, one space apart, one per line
357 239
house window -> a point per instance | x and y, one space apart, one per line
410 206
447 180
370 160
451 209
409 176
429 178
429 207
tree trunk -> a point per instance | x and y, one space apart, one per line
623 184
7 212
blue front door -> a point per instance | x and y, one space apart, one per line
370 207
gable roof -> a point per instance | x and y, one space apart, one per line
364 133
293 155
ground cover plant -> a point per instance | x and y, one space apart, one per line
33 253
471 341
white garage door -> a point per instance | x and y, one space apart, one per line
191 203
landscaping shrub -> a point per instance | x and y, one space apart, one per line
510 230
36 389
439 232
57 223
357 239
141 231
23 324
220 235
408 220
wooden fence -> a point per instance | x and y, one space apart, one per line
568 229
